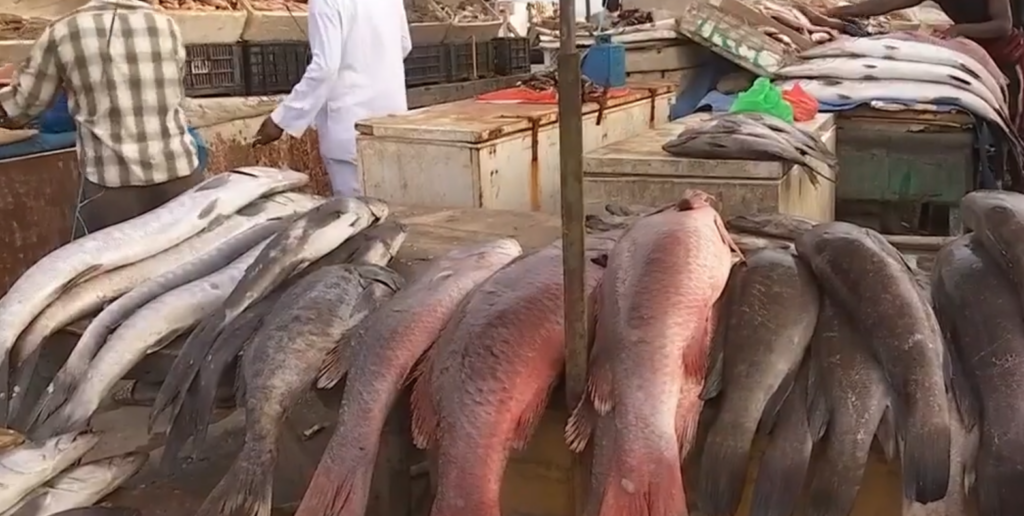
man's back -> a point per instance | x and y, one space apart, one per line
121 64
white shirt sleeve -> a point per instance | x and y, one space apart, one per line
297 112
406 38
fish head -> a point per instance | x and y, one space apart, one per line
74 442
128 464
392 235
282 179
377 207
693 199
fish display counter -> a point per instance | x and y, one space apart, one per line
473 154
639 170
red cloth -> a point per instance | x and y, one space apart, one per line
523 95
1008 52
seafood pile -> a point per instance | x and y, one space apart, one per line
754 136
428 11
471 11
198 5
279 5
908 69
547 81
14 27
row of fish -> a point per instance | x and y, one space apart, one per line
754 136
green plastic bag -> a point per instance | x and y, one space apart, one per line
763 97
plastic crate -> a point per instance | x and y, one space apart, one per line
427 64
212 70
511 55
273 67
470 61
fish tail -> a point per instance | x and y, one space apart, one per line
781 474
56 394
837 477
247 488
341 484
724 465
23 376
580 425
652 486
184 368
926 449
424 413
332 370
5 385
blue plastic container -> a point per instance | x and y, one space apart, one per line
605 63
56 119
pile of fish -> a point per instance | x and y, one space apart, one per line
908 68
754 136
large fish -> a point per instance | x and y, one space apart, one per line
33 464
89 296
962 45
997 219
127 243
768 127
911 51
871 282
959 500
282 363
378 358
655 317
980 313
769 316
95 335
486 384
870 68
377 245
80 486
312 236
849 398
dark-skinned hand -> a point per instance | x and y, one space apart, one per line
269 132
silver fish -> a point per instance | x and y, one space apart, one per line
912 51
81 486
757 146
151 327
870 68
281 364
769 127
306 240
33 464
127 243
99 329
87 297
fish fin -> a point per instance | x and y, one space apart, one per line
581 425
925 472
716 352
600 260
63 421
783 470
247 488
424 413
598 391
728 238
770 413
838 473
958 384
818 170
21 408
179 431
338 490
335 367
818 410
5 391
886 434
381 274
56 394
528 420
207 383
185 366
654 488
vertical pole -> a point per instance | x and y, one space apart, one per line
570 134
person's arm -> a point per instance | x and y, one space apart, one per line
296 113
871 8
999 25
36 83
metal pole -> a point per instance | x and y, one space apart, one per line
570 134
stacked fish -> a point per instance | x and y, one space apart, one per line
754 136
907 70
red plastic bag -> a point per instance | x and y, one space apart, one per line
805 107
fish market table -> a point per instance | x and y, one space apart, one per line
471 154
637 171
904 157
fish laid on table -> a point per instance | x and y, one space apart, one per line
483 388
376 245
281 364
77 365
306 240
655 318
850 404
81 486
911 51
980 313
768 317
872 68
127 243
31 465
961 45
89 296
742 136
871 282
150 328
997 219
378 357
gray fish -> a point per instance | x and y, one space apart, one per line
959 500
127 243
309 238
770 127
280 366
804 138
849 399
376 245
95 335
981 317
872 283
770 314
997 219
775 225
31 465
755 146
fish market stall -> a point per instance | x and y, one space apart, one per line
639 171
494 155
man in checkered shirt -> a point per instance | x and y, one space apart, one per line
121 64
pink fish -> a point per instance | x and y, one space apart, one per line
655 318
489 377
